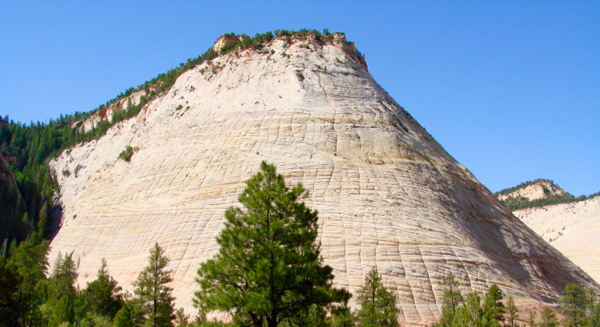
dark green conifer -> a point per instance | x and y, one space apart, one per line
548 318
269 269
377 304
103 296
62 294
154 295
573 305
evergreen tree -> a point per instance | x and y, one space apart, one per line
31 262
548 318
493 308
154 295
341 316
377 304
181 319
125 317
470 313
572 305
593 308
62 294
269 269
103 297
452 300
10 280
512 313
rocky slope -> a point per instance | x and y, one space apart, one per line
388 195
572 228
539 189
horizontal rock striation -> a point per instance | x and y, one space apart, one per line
388 195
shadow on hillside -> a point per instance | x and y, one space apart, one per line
520 253
55 222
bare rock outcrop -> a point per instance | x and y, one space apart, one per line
388 195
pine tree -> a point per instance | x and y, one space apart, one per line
512 312
125 317
470 313
493 308
9 292
154 295
103 296
31 262
593 308
62 294
378 305
452 300
548 318
269 269
572 305
181 319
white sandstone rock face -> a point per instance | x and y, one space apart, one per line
388 195
572 228
540 190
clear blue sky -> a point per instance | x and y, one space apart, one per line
511 89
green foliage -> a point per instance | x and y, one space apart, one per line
452 300
127 153
62 294
151 287
269 269
472 311
103 296
30 261
492 307
341 316
512 313
520 202
377 304
181 319
125 317
10 300
548 318
573 305
77 169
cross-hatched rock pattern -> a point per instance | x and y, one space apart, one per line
388 195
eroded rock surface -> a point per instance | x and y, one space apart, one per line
388 195
572 228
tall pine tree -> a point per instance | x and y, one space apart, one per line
154 295
269 269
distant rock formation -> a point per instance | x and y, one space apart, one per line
573 228
388 195
536 190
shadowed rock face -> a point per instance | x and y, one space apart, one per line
572 228
388 195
